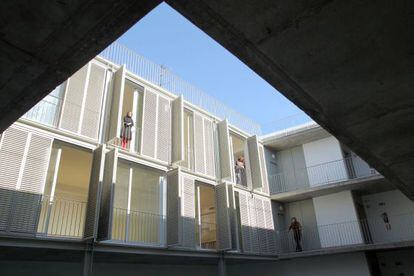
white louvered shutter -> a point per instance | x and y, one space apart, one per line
164 130
108 189
187 212
223 217
36 164
93 101
260 225
254 161
224 150
254 233
115 122
245 222
270 228
263 170
72 105
209 147
199 158
173 208
177 130
11 157
149 124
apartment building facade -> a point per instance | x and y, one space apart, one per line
174 188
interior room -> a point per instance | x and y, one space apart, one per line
206 229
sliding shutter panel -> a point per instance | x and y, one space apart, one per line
254 161
187 212
11 157
149 124
269 226
164 130
209 147
173 207
177 130
254 234
108 189
72 105
36 164
260 225
93 101
263 170
199 144
224 150
95 192
223 218
245 222
116 107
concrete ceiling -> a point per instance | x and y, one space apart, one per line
348 64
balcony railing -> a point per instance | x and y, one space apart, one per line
46 111
344 169
161 76
366 231
62 218
138 227
286 125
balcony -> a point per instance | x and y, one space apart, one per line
365 232
337 171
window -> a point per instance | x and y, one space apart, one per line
238 151
206 230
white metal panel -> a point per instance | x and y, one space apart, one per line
254 161
164 129
149 124
115 122
36 165
263 170
269 226
177 130
187 211
72 104
199 144
254 233
209 147
173 208
224 150
93 101
245 221
223 217
11 156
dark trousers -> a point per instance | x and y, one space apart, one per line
297 237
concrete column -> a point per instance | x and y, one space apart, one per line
221 267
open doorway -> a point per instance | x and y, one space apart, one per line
206 228
66 191
238 151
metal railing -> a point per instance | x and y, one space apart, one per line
352 167
46 111
161 76
61 217
138 227
207 235
365 231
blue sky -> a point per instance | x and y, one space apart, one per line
167 38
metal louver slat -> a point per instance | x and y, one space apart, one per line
224 149
223 218
108 188
263 170
72 105
95 192
254 161
199 144
5 208
209 146
177 130
36 164
11 157
173 208
115 122
93 102
187 212
149 124
164 129
25 212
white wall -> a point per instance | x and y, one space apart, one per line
400 211
324 151
337 219
328 265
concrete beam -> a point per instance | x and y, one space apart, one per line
43 43
348 65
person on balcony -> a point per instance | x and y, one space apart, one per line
297 233
240 171
126 130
